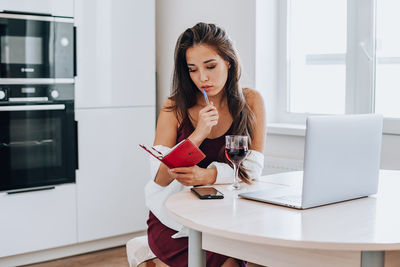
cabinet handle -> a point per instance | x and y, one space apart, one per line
31 190
76 146
75 68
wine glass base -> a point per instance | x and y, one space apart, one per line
235 186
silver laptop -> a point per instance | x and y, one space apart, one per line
341 162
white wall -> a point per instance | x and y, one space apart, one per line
237 17
266 57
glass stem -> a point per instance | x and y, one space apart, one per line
236 173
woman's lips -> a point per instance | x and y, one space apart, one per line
207 88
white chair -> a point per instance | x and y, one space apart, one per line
138 251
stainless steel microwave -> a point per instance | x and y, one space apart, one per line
37 47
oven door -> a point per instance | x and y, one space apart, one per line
36 47
38 145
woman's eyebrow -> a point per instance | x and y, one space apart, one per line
204 62
209 60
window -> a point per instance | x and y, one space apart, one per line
387 88
317 69
339 57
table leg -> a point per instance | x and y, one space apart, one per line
197 256
372 259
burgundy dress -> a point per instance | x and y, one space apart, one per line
174 252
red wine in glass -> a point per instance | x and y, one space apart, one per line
236 149
236 155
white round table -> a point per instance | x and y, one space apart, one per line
350 233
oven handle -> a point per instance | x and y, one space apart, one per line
27 143
32 107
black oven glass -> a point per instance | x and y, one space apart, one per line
37 147
26 48
21 50
36 47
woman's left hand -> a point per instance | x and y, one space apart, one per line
193 175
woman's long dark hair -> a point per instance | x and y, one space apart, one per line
184 91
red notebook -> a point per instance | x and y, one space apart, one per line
184 154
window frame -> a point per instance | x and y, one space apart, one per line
360 64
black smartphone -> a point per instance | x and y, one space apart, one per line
207 193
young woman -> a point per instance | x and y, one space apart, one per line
205 59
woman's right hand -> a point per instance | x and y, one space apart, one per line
208 118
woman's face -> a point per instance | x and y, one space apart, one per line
207 69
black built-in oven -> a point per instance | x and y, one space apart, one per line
36 47
38 136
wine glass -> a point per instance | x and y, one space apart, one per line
236 150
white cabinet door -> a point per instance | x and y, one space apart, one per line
54 7
113 170
115 53
37 220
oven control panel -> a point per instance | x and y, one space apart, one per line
17 93
3 93
54 94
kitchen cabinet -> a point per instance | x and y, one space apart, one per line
37 220
115 110
115 53
113 170
64 8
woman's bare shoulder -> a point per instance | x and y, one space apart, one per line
253 97
168 112
167 125
256 104
168 104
